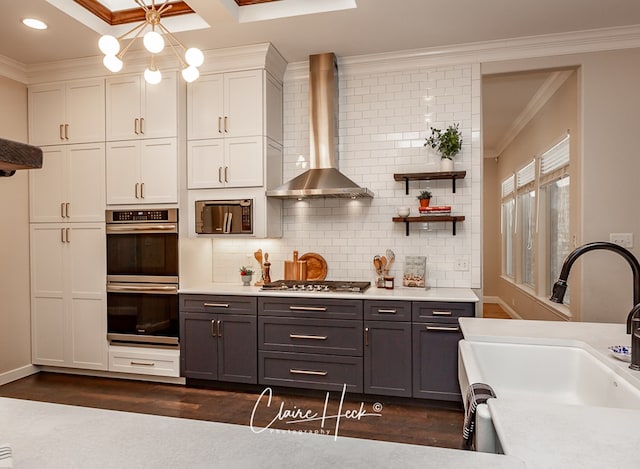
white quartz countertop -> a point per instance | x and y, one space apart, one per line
372 293
549 435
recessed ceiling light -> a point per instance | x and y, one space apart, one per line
34 23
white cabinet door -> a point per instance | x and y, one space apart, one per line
244 157
243 97
68 295
85 111
205 107
159 111
46 114
70 185
67 113
137 110
205 160
123 98
159 171
123 172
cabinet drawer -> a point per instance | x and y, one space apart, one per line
328 308
144 361
218 304
305 370
331 336
387 310
434 311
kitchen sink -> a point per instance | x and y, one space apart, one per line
555 374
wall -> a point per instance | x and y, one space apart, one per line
384 117
15 336
608 116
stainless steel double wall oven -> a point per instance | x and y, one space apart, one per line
142 277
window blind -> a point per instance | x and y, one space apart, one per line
507 186
556 157
526 174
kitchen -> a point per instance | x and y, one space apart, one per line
371 160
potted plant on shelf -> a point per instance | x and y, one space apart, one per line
245 275
448 143
424 197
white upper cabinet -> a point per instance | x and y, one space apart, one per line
137 110
70 186
142 172
226 105
62 113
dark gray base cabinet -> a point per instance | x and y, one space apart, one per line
218 346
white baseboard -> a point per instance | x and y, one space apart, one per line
111 374
18 373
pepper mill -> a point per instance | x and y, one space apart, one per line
266 267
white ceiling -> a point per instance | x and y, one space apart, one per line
375 26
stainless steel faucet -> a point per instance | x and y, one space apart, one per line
633 318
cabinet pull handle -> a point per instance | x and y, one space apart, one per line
142 125
66 235
443 328
366 336
62 235
66 210
213 328
61 130
387 311
225 124
135 125
141 364
137 186
216 305
226 174
304 336
219 124
142 190
219 328
307 308
61 209
220 174
66 131
293 371
441 313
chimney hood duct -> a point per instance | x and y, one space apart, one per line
15 155
323 179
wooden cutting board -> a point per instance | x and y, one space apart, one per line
316 266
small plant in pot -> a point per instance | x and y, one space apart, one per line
424 197
448 143
245 275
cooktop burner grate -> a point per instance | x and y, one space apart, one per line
316 286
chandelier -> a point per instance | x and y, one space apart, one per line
154 42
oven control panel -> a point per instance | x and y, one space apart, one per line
137 216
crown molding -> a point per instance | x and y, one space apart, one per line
539 99
250 56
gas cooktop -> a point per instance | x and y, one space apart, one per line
316 286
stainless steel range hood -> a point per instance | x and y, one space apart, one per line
15 155
323 179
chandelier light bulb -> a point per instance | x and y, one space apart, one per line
190 74
153 42
194 57
109 45
112 63
152 76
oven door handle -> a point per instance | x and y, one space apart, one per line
124 229
161 289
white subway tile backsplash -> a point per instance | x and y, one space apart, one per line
384 119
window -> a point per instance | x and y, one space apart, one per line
536 236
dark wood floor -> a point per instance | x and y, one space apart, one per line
404 421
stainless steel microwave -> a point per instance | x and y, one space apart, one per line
224 216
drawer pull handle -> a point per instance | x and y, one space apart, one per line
216 305
303 336
293 371
387 311
443 328
307 308
141 364
441 313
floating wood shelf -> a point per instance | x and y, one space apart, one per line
406 177
429 219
